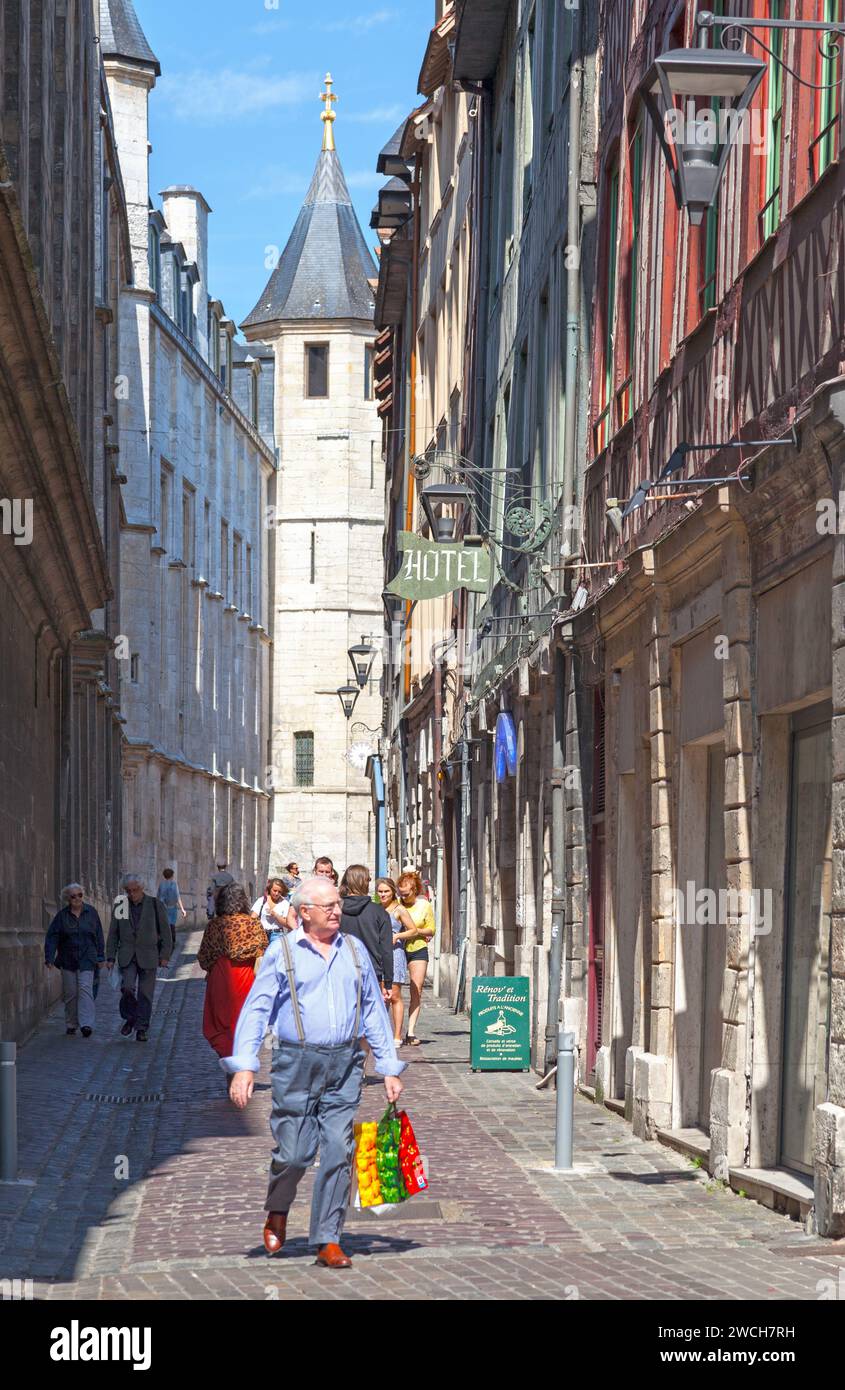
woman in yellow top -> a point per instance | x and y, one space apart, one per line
420 911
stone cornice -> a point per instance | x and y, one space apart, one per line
136 754
200 365
63 575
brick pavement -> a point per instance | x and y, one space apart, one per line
144 1182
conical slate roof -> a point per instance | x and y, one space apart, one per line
324 270
121 35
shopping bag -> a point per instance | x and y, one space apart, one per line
114 977
411 1163
366 1168
388 1135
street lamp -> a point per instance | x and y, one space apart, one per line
697 139
362 657
348 695
437 496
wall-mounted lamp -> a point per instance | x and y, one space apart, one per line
348 695
437 496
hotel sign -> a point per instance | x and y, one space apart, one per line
430 569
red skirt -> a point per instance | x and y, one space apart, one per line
227 987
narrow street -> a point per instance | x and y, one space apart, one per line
634 1222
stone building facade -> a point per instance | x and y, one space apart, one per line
711 962
423 309
316 315
198 480
64 259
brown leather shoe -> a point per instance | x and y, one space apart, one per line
274 1231
333 1257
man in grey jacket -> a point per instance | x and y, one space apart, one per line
140 940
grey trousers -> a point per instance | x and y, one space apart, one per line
316 1092
78 997
137 987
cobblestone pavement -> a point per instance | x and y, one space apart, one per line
141 1181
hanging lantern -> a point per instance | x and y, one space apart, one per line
695 98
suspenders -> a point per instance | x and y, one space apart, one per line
294 998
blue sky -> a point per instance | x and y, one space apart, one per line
236 111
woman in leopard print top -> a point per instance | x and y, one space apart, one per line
232 945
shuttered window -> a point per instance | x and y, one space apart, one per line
303 759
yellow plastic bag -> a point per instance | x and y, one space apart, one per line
366 1170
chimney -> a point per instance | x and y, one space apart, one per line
186 213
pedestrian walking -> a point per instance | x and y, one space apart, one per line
168 893
369 922
74 945
400 921
218 881
232 945
416 944
291 877
140 940
273 909
318 991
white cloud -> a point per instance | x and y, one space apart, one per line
278 182
270 26
361 23
207 96
364 178
377 115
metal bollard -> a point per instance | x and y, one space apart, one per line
8 1113
565 1083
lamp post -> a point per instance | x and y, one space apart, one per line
362 656
348 695
682 86
437 496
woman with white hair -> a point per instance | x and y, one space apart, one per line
75 946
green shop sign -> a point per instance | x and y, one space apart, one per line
430 569
501 1032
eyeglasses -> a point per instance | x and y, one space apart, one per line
74 895
325 907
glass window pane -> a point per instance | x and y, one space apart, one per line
317 369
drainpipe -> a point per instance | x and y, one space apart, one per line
464 852
558 863
573 273
438 652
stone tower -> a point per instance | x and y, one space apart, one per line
316 313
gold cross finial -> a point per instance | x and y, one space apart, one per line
328 116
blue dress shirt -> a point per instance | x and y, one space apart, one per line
326 988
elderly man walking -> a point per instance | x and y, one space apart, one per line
318 992
140 939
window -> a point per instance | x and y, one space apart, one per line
237 551
825 146
316 370
549 25
254 398
608 303
207 555
770 211
224 558
164 510
134 668
303 759
155 262
635 167
369 358
528 120
249 581
313 573
188 546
